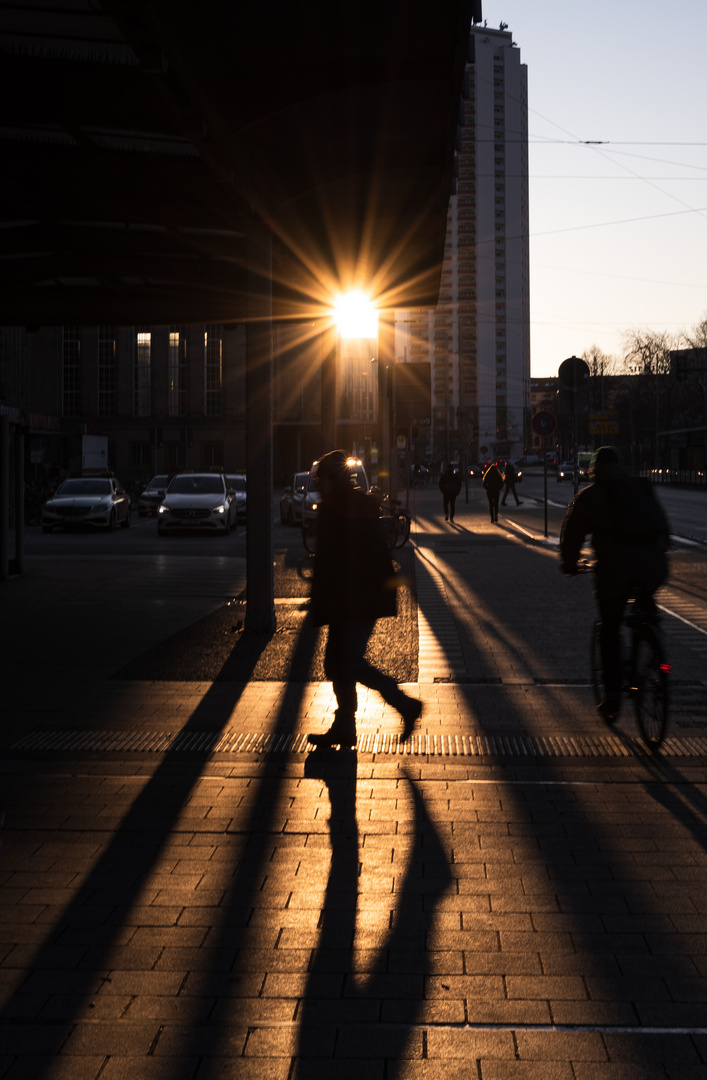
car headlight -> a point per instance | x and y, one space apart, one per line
162 509
220 509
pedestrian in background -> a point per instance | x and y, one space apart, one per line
450 485
353 585
493 482
509 480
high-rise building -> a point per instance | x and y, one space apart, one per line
477 339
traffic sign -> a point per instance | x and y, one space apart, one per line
573 373
544 423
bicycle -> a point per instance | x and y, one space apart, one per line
645 671
396 522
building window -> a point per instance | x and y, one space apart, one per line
106 371
140 455
177 372
142 360
70 372
212 455
212 371
174 454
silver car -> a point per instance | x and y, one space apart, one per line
197 501
100 502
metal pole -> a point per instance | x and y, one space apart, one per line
545 486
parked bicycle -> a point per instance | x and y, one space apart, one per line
645 671
396 521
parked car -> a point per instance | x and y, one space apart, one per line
565 471
238 484
292 499
197 501
101 502
151 496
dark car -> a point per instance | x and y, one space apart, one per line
99 502
238 484
150 497
292 499
310 510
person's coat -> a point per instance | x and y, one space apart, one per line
354 577
493 481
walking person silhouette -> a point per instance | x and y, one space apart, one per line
353 586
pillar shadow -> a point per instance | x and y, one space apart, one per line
92 921
330 1027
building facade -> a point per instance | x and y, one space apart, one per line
477 339
164 397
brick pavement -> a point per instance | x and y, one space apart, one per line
387 913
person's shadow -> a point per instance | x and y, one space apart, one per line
392 988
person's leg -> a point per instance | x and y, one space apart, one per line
495 505
515 494
445 503
452 506
358 633
505 495
337 670
489 496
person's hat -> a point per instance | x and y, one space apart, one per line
332 465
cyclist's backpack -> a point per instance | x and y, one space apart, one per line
637 516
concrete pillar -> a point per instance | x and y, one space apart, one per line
260 589
4 498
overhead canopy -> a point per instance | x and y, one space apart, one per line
141 139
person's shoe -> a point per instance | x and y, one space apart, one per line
452 518
446 517
342 735
609 707
519 503
410 712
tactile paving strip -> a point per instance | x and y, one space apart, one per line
423 745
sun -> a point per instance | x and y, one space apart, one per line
356 316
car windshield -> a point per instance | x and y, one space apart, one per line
237 483
158 482
196 485
85 487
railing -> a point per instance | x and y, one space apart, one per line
680 477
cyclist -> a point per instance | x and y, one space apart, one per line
629 532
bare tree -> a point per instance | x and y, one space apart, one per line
599 362
648 351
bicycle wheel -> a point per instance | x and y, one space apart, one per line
402 528
309 537
650 676
597 670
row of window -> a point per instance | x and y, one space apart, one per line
142 371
